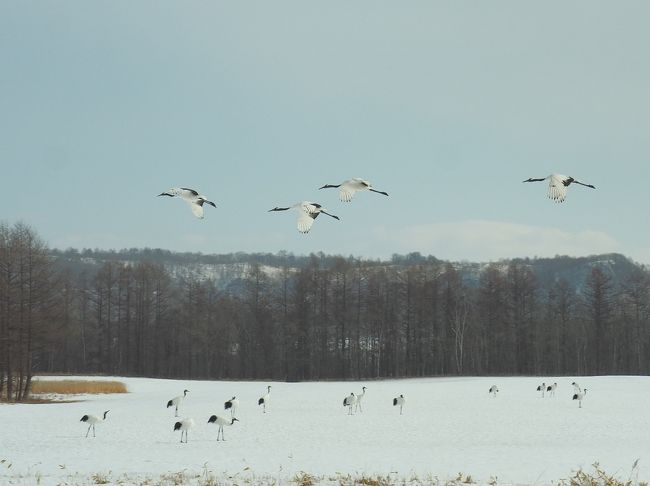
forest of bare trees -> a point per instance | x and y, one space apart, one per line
332 318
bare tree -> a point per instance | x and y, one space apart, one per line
599 302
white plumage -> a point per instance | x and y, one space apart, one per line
184 425
176 401
264 400
190 196
493 390
307 213
93 420
542 388
233 405
558 185
359 398
576 387
221 421
349 402
551 389
580 396
401 401
348 188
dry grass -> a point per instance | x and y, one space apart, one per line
600 478
304 479
101 478
77 387
207 478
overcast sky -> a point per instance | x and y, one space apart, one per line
447 106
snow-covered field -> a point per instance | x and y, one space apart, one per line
449 425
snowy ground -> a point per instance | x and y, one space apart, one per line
450 425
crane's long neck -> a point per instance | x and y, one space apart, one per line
583 184
330 215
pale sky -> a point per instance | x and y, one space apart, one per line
447 106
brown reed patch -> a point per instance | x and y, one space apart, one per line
77 387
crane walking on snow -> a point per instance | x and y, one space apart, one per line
221 421
176 401
93 420
399 401
359 398
184 425
349 402
551 389
580 396
233 405
265 399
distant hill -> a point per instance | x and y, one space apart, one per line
228 270
572 269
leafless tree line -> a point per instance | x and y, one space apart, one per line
334 318
30 314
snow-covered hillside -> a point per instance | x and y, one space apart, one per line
450 425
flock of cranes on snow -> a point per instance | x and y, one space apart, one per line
308 211
185 424
352 402
578 392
